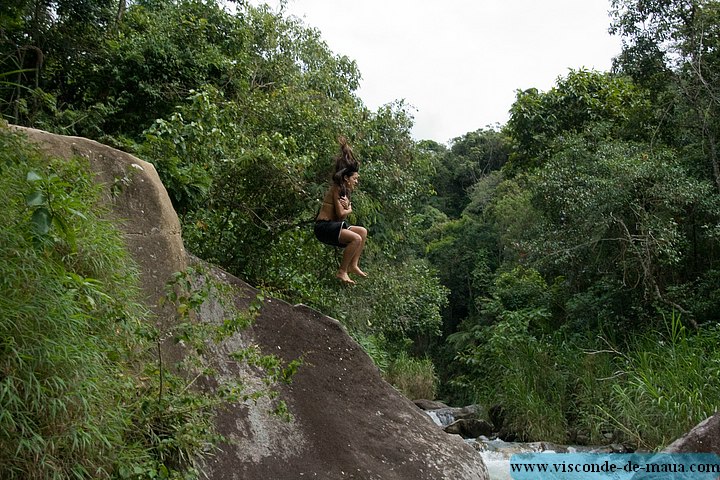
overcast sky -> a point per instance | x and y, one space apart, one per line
458 63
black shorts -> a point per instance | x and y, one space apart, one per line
328 231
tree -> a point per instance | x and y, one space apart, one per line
47 43
625 214
470 158
580 103
681 36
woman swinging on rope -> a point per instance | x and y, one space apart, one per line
331 226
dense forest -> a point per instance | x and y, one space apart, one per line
564 267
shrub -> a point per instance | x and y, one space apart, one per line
526 379
83 392
376 347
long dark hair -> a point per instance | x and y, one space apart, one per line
345 165
339 178
346 157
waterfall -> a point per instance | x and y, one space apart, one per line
442 417
496 454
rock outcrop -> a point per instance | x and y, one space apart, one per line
704 438
348 422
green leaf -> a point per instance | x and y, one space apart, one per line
33 176
41 221
35 199
77 213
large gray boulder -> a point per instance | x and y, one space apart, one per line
347 421
703 438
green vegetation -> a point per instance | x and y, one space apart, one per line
585 306
564 266
413 377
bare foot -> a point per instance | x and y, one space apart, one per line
357 271
343 277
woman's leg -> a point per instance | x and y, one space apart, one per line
353 241
353 267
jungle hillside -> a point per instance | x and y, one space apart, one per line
564 267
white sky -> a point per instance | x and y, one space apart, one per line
458 63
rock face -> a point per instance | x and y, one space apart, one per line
704 438
348 422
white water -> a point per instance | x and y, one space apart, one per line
440 417
497 464
495 453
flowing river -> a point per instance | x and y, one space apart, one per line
497 454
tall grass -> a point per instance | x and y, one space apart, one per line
523 375
645 394
83 393
79 380
414 377
665 385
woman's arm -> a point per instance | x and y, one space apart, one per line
343 206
